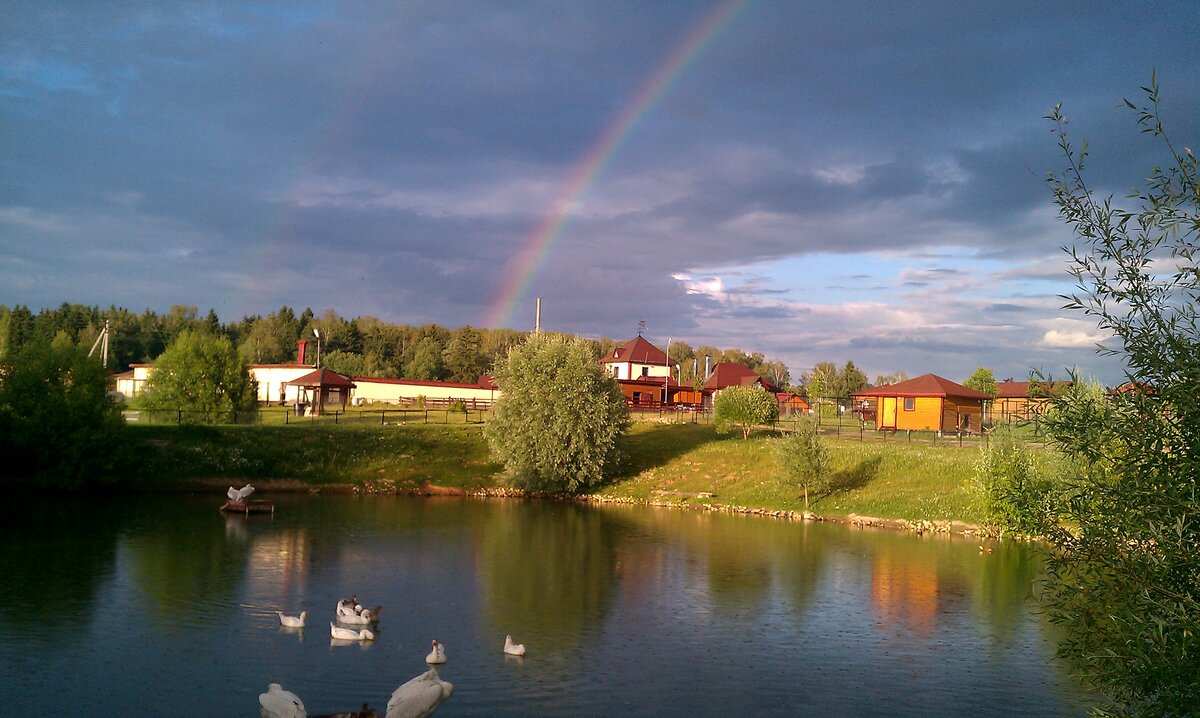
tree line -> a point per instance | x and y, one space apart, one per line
366 346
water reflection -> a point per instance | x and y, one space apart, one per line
549 572
54 556
817 618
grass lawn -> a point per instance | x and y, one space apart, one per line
315 454
893 480
663 462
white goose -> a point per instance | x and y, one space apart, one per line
240 494
349 634
438 654
513 649
278 703
419 697
356 619
292 621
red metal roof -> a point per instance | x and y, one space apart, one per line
727 373
321 377
638 351
924 385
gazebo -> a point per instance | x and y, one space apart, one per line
322 389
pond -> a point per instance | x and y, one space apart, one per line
161 606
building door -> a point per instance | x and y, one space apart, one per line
887 412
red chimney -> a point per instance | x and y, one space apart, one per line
300 351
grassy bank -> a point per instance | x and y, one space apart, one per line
314 454
895 480
663 463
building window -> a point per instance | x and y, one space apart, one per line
910 404
645 371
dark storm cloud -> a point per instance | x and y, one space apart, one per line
158 152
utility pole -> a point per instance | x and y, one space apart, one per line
102 342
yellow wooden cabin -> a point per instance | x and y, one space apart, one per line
926 403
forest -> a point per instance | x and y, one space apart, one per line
359 346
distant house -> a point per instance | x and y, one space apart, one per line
726 374
370 390
1016 402
637 359
926 403
791 403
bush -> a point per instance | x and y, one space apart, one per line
744 407
457 407
202 376
556 424
1018 497
803 459
58 426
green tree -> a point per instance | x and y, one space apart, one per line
426 361
1125 577
462 357
58 426
803 459
982 381
344 362
743 407
823 380
849 380
555 426
204 377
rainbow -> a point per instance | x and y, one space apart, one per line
532 255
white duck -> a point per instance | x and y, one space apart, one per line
278 703
349 607
513 649
240 494
438 654
419 697
356 619
292 621
349 634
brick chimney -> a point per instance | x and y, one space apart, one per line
300 345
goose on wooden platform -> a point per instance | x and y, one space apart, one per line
240 494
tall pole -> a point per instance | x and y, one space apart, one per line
537 318
667 378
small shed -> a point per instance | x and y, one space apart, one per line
926 403
322 390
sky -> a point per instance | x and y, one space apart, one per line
814 181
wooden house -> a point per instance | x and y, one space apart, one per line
926 403
1023 400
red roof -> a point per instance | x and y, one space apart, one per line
1012 389
727 373
924 385
637 351
322 377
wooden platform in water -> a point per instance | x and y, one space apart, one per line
249 507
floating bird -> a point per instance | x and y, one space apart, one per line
349 607
240 494
419 697
438 654
349 634
356 619
278 703
292 621
513 649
